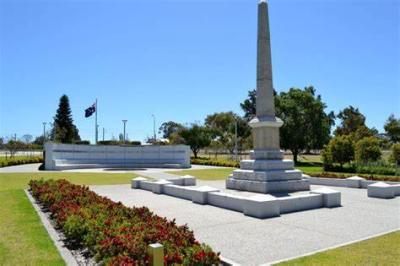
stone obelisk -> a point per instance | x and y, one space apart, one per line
266 172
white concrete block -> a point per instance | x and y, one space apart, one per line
261 206
381 190
147 185
135 183
178 191
226 201
200 194
189 180
331 198
325 181
176 181
396 189
355 182
300 203
158 186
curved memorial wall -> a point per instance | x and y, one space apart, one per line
72 156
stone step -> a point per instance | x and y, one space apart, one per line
267 154
268 187
269 175
259 164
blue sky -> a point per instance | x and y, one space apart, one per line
182 60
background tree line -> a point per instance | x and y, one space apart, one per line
307 127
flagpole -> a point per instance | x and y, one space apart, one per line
96 124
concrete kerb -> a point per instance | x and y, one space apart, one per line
64 252
258 206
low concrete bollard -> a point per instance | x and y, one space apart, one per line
176 181
158 186
381 190
331 198
156 254
189 180
396 189
355 182
200 195
261 206
135 182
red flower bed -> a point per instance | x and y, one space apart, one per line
115 234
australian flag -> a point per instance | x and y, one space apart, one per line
89 111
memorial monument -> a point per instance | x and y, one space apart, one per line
267 171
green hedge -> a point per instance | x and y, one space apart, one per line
346 175
215 162
20 160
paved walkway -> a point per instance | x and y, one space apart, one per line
25 168
251 241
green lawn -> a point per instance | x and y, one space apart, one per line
23 239
383 250
206 174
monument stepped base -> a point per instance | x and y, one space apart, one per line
267 172
268 186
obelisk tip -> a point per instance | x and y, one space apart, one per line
262 1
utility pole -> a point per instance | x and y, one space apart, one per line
103 133
96 126
236 138
44 132
124 121
154 128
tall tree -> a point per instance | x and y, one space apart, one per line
27 138
306 125
222 126
167 128
352 119
196 136
64 130
249 105
392 128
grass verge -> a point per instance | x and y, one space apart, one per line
23 239
382 250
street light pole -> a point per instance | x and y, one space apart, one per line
154 128
236 143
103 134
124 121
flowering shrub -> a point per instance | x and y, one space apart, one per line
115 234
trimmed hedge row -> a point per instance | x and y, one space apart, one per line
115 234
215 162
343 175
18 161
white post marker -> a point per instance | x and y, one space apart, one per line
156 254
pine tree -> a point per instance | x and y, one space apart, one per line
64 130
